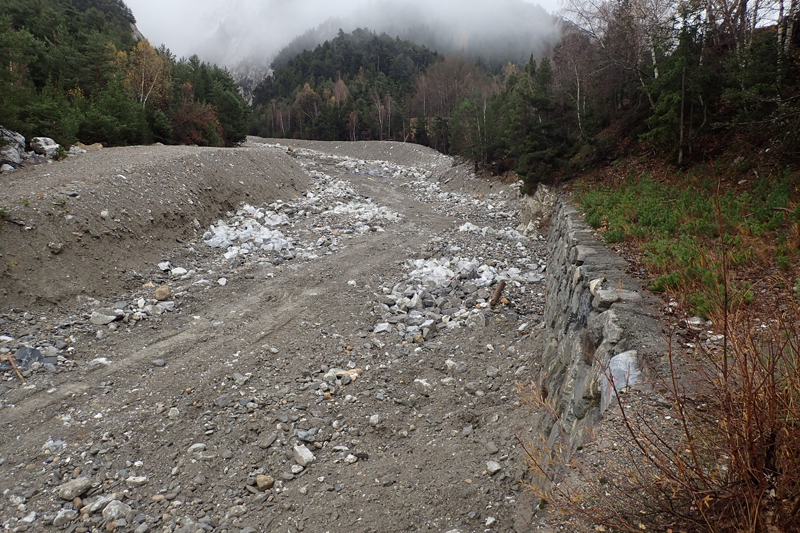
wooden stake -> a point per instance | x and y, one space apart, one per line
497 292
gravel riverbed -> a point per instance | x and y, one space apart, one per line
310 344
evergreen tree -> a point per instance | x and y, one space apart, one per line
353 86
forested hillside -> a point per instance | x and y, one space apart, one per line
356 86
489 32
76 71
679 79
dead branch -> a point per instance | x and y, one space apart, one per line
14 366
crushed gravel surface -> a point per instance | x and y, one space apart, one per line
287 336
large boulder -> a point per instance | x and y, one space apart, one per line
44 146
9 156
12 148
12 138
535 210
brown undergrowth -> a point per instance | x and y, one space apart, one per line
711 443
726 458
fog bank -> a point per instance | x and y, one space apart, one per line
254 31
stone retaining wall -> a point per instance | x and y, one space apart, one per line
593 312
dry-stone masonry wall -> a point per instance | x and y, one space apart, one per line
598 323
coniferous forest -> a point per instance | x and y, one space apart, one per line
77 73
679 79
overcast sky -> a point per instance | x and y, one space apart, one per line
189 27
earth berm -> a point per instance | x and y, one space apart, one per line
268 338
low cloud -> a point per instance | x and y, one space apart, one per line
254 31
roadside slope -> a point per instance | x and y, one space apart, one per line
91 225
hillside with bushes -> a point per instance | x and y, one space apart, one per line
79 71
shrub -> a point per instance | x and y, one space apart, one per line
728 458
670 281
60 154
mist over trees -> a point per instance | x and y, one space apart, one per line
681 79
74 71
491 34
489 31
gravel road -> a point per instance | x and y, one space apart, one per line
286 336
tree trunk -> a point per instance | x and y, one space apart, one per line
742 29
653 56
683 100
792 20
754 20
578 99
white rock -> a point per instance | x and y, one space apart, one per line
237 510
303 456
64 516
382 328
423 387
102 318
136 481
116 510
166 306
476 320
44 145
100 504
74 488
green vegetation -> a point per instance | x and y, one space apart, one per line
681 94
76 73
356 86
682 226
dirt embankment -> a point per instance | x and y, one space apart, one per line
90 225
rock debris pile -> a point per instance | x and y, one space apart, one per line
45 345
450 292
332 212
421 184
13 154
